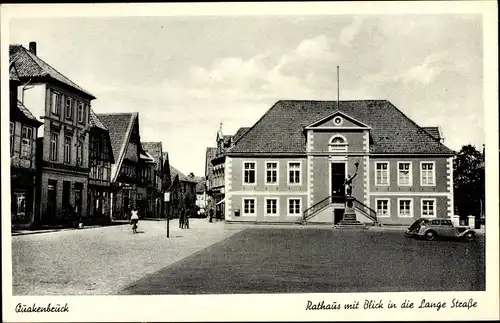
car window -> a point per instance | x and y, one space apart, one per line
446 222
435 222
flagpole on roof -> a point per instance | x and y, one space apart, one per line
338 88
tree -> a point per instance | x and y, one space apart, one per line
468 182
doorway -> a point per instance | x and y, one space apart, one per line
338 215
337 179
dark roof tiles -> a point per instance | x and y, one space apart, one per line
280 130
118 125
30 66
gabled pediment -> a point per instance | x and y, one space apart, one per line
338 120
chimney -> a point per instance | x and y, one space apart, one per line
32 47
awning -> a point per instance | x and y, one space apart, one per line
220 202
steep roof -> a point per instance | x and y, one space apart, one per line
30 66
25 114
183 178
433 131
120 127
240 133
280 129
155 150
95 121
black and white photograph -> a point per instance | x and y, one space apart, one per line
250 161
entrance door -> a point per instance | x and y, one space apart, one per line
338 178
338 215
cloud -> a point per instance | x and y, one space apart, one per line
348 34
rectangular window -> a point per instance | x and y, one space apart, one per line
11 130
26 142
249 206
249 173
294 173
427 174
428 208
271 173
294 207
382 173
271 207
67 150
20 207
69 108
405 208
382 207
56 103
54 139
79 154
404 174
81 112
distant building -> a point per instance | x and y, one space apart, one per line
201 194
64 107
291 166
216 171
182 192
22 129
209 176
100 160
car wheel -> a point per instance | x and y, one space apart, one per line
430 235
470 236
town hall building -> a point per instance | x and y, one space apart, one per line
292 165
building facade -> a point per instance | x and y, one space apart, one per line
22 130
154 188
100 160
291 166
182 193
126 172
62 156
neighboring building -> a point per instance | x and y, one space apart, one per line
182 192
201 194
154 193
292 164
64 107
209 176
126 172
100 160
22 128
146 171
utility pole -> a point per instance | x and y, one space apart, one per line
338 88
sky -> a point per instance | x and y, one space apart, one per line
187 74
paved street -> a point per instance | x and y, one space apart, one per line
299 260
104 260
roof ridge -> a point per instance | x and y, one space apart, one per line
123 147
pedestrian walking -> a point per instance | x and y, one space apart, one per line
134 219
210 215
181 218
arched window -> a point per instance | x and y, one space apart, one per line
338 143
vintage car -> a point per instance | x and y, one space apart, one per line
430 229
